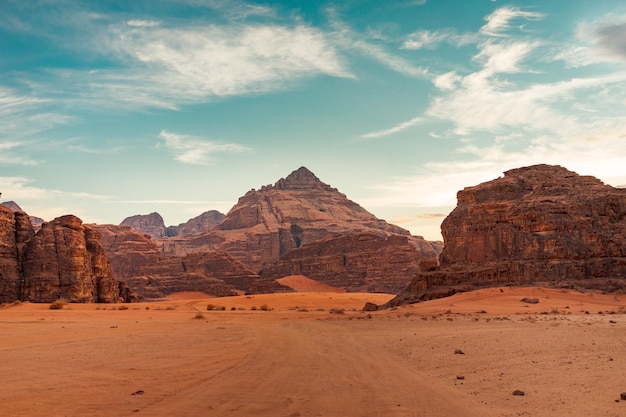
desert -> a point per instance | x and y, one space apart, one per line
318 354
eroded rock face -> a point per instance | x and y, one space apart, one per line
151 224
268 223
36 222
359 262
200 224
15 232
137 261
537 224
65 260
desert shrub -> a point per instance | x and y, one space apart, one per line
264 307
233 308
170 308
57 305
122 307
253 308
147 307
337 311
199 315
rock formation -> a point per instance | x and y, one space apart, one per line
151 224
362 262
137 261
35 221
200 224
63 260
538 224
268 223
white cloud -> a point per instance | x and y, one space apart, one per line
428 39
195 150
170 66
499 21
142 23
398 128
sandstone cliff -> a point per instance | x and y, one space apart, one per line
538 224
137 261
200 224
151 224
268 223
63 260
36 222
362 262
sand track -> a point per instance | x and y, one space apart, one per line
159 360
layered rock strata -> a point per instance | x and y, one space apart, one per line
268 223
137 261
537 225
358 262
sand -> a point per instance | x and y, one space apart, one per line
315 354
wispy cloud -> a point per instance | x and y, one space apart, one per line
95 151
195 150
429 39
398 128
500 20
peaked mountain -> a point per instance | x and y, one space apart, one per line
540 224
268 223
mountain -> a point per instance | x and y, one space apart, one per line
35 221
540 224
151 224
362 262
63 260
268 223
202 223
137 261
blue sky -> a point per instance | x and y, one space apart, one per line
115 108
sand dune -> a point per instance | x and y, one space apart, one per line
315 354
300 283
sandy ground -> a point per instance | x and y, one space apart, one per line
315 354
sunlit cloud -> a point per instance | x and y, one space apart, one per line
429 39
500 20
195 150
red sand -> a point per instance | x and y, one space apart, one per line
316 354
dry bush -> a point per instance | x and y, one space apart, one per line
337 311
198 315
122 307
57 305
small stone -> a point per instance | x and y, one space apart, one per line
458 352
519 392
622 396
460 377
530 300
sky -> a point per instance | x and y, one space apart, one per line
115 108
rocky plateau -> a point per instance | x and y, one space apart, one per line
539 225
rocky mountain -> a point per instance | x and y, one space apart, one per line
63 260
35 221
137 261
363 262
151 224
200 224
268 223
537 224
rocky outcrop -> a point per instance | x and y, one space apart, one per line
151 224
200 224
36 222
15 232
137 261
538 224
358 262
268 223
65 260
